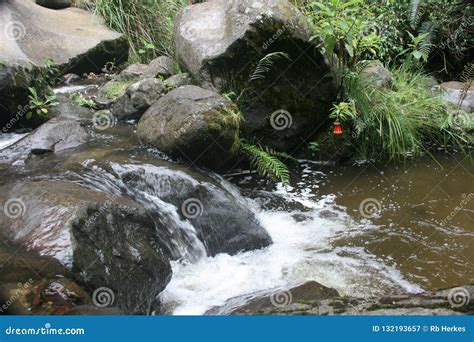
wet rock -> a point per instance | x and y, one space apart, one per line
376 75
193 123
202 200
55 4
58 134
179 80
105 240
313 298
102 103
457 93
138 98
29 45
276 298
32 284
220 43
67 108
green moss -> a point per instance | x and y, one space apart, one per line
116 89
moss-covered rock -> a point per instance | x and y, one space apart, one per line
195 124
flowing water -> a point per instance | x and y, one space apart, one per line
365 230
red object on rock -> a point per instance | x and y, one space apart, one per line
338 128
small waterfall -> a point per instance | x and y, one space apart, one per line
159 190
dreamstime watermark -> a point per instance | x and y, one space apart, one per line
458 297
274 37
370 208
103 120
14 30
188 124
281 120
103 297
466 199
22 287
281 299
22 111
14 208
47 329
192 208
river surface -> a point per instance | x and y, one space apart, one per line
364 230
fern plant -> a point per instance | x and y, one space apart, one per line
267 163
265 64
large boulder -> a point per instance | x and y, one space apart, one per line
193 123
106 240
31 34
222 42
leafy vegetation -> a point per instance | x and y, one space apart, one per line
82 101
391 122
148 24
397 122
267 163
41 96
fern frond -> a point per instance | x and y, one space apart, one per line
266 164
265 65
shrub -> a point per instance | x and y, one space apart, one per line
396 123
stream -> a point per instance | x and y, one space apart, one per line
405 245
366 229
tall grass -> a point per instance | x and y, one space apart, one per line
148 24
404 120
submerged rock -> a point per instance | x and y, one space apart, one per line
221 43
193 123
106 240
138 98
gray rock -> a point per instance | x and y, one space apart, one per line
220 44
55 4
312 298
454 92
28 43
179 80
159 67
133 71
106 240
138 98
376 75
67 108
196 124
56 135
